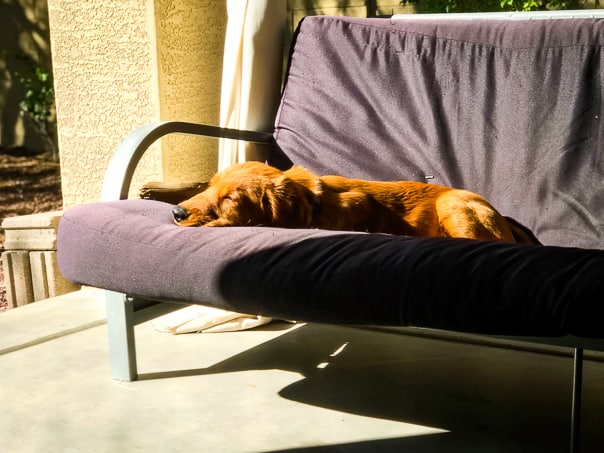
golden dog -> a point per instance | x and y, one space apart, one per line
253 193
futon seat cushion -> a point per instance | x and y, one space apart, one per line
133 246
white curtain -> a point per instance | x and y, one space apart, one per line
251 74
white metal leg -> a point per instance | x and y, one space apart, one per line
122 348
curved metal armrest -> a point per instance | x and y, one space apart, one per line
123 163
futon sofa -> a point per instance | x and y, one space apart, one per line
510 108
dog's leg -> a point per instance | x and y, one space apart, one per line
467 215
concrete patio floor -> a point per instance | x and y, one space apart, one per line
280 388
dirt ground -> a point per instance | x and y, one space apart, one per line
28 184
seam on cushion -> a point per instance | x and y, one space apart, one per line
296 240
284 95
122 238
443 38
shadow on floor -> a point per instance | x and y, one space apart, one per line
488 399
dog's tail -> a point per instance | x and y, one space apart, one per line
521 233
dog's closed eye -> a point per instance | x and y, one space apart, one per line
213 212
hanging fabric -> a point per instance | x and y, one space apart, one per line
251 75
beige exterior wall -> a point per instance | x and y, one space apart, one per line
120 64
190 41
105 75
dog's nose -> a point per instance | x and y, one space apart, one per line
179 213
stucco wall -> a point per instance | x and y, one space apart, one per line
106 84
190 47
122 64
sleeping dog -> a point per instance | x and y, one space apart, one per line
252 193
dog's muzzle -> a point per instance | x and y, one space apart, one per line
179 213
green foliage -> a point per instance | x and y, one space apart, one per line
39 94
460 6
38 100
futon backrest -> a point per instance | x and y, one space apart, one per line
511 109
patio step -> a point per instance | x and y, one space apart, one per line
31 272
52 318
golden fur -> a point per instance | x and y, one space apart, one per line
253 193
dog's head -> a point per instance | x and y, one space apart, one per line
249 194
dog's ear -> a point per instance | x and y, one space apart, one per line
522 233
288 203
